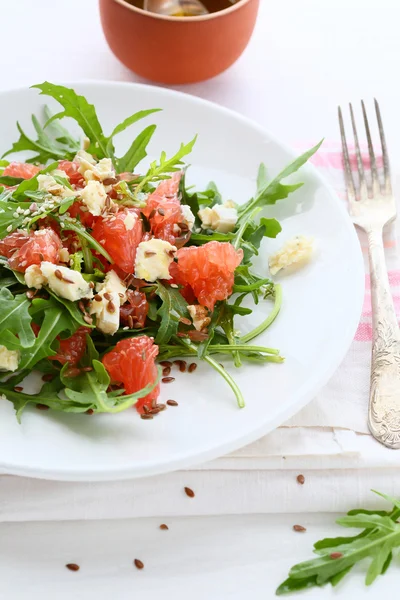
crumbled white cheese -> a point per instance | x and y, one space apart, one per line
103 169
130 220
296 251
65 282
188 216
85 161
111 293
64 255
153 259
112 283
199 314
47 183
34 277
205 215
221 218
94 197
9 359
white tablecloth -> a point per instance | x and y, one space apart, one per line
303 60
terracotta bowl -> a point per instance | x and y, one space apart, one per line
176 49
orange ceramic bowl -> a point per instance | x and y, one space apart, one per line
177 49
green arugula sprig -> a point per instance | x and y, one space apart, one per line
86 392
337 556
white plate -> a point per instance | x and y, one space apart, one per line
320 312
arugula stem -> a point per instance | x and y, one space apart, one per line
269 320
69 225
244 348
87 255
240 232
230 381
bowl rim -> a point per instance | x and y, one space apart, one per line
215 15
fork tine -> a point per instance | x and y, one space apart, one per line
351 191
386 166
361 173
374 172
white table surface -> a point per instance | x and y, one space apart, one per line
304 59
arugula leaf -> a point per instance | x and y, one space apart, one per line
79 109
380 537
72 308
56 320
14 316
173 307
10 181
136 152
32 183
165 166
9 219
89 390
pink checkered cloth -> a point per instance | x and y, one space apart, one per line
341 404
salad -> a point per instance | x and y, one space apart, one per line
107 270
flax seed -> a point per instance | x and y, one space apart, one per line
82 307
138 563
65 280
88 319
89 411
18 388
148 254
72 567
168 379
189 492
58 274
301 479
130 322
91 285
98 298
161 212
87 369
172 403
165 363
185 321
110 181
30 293
146 416
164 527
47 377
299 528
42 407
166 371
111 307
181 364
192 367
107 296
336 555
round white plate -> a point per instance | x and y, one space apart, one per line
320 311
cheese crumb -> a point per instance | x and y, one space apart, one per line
47 183
63 281
221 218
153 259
188 216
94 197
111 293
34 277
130 220
9 359
297 251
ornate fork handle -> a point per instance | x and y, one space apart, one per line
384 403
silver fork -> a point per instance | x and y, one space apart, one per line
372 206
